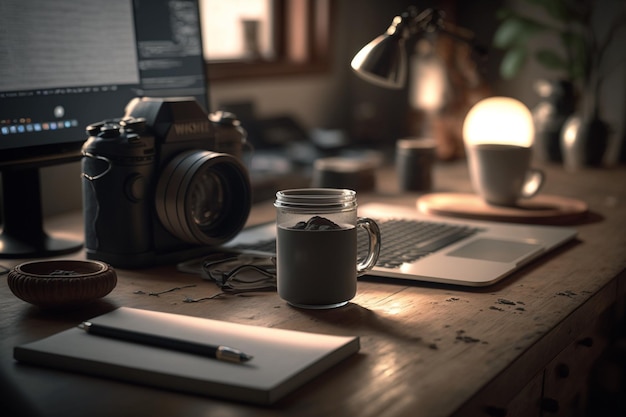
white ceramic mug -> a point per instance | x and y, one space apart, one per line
501 174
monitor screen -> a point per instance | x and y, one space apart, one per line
65 64
70 63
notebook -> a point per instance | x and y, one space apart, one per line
282 360
467 252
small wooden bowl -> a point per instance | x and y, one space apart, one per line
61 283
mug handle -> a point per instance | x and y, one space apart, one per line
533 182
373 232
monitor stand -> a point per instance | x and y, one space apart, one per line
23 235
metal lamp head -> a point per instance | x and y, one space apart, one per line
383 61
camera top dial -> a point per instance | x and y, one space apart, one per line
120 140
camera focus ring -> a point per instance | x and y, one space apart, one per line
203 197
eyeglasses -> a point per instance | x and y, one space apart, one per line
241 273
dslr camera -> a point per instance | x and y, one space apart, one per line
163 183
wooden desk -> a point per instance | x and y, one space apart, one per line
427 350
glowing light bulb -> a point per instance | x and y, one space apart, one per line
499 120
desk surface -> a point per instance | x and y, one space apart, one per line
426 350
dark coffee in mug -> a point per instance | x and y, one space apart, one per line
317 267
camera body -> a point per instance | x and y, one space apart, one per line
163 183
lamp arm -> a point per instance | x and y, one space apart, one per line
433 21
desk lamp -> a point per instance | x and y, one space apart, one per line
383 61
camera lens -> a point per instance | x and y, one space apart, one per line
203 197
207 199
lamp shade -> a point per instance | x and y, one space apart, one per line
383 61
499 120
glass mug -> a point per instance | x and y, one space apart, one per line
316 246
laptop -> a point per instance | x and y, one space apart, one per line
428 248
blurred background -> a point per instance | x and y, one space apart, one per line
284 68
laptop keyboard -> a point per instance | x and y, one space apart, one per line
403 240
408 240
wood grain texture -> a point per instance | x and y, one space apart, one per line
426 350
541 209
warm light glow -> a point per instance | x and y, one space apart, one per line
360 57
499 120
428 83
570 131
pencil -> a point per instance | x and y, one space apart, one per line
219 352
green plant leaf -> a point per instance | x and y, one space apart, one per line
551 60
516 30
512 62
507 33
574 40
576 44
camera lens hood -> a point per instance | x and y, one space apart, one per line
203 197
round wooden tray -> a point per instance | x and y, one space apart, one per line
543 208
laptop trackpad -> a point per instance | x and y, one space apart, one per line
497 250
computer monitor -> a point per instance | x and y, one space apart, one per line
66 64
